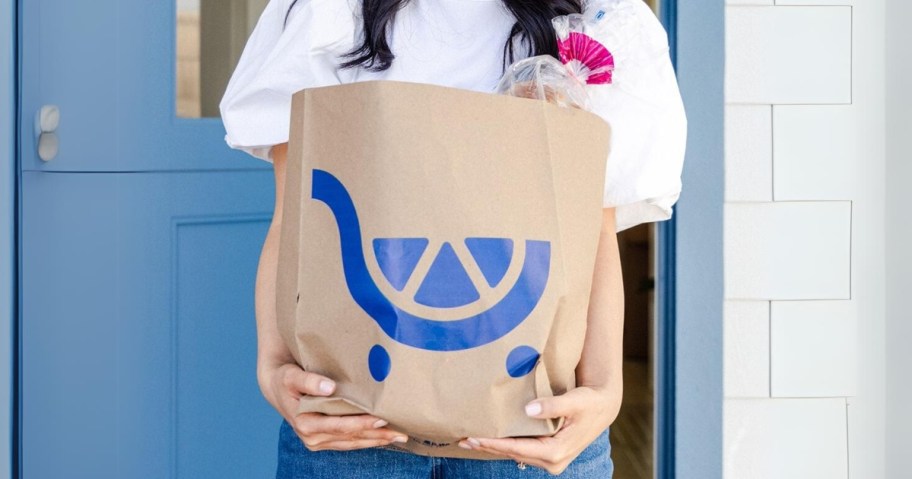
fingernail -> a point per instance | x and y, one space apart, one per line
533 409
463 445
326 386
400 439
474 441
380 423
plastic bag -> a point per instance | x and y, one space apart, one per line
587 59
583 60
544 77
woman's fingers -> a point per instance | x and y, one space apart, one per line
349 445
512 452
306 382
534 451
317 430
382 433
567 404
342 425
365 425
524 448
387 435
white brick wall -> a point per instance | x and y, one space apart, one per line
803 239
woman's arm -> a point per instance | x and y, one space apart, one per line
282 381
601 364
271 350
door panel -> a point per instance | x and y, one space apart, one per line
110 66
138 329
140 242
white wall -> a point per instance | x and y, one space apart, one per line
899 237
804 233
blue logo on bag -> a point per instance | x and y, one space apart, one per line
446 285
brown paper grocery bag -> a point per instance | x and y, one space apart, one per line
436 256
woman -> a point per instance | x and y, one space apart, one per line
465 44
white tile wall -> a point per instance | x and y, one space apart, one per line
816 152
804 175
747 349
785 439
787 250
749 153
788 55
813 348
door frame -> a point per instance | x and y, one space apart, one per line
8 221
690 281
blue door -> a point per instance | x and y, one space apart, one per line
140 237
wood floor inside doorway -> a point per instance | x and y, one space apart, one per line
632 432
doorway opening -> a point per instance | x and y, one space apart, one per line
633 432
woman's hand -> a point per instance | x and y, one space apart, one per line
594 405
589 410
286 384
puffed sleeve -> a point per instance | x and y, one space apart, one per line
295 44
643 105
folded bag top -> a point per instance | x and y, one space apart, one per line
436 256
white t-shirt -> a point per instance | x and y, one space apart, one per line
460 43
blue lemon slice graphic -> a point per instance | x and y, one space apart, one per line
398 257
446 285
492 255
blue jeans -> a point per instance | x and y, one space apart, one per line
298 462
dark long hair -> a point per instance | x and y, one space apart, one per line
533 29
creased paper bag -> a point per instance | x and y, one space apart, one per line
436 255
